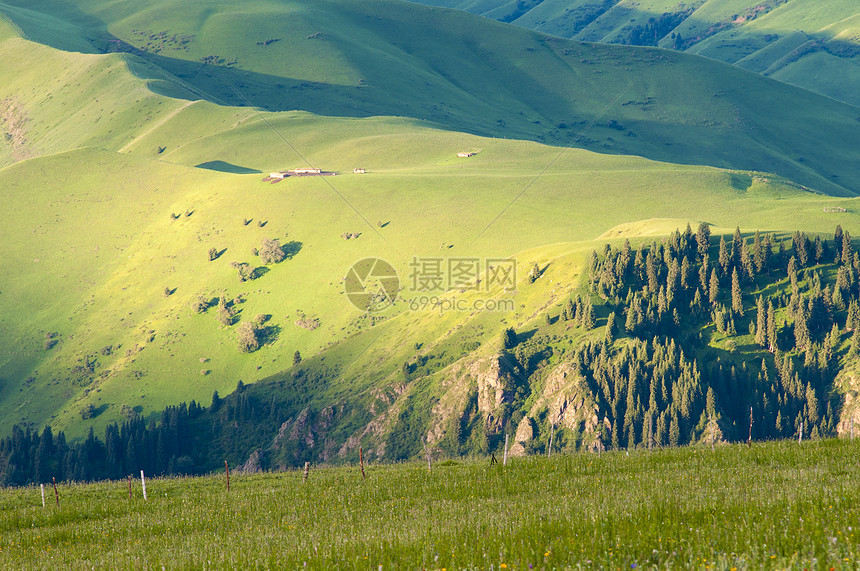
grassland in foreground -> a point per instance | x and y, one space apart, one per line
771 506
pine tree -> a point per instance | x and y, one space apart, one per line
587 321
801 328
812 413
724 258
737 246
818 250
771 328
509 338
851 321
847 251
674 430
837 243
758 253
609 335
714 292
703 238
711 403
685 273
798 241
651 271
761 323
216 402
747 264
767 251
704 274
737 300
792 274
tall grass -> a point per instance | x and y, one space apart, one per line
773 505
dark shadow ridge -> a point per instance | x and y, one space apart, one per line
223 166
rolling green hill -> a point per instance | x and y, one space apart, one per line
133 182
462 73
808 43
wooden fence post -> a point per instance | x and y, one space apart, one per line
143 484
800 437
227 470
306 471
551 435
749 441
56 493
129 486
43 494
360 464
505 459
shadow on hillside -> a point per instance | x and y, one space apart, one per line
565 103
223 166
291 248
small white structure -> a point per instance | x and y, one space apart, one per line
466 155
280 175
358 171
307 171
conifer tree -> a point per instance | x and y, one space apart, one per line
851 321
847 251
747 264
737 246
609 335
761 323
837 243
801 328
737 300
724 258
818 249
587 320
758 253
767 252
674 430
798 241
771 328
714 291
792 274
703 238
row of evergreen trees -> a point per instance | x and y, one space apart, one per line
798 298
187 439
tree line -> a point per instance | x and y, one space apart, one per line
797 298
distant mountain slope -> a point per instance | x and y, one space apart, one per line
384 57
809 43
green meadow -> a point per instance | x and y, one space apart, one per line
121 171
771 506
806 43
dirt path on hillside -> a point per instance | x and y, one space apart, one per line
169 116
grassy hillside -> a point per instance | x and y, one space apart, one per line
108 249
120 271
673 509
811 44
388 58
